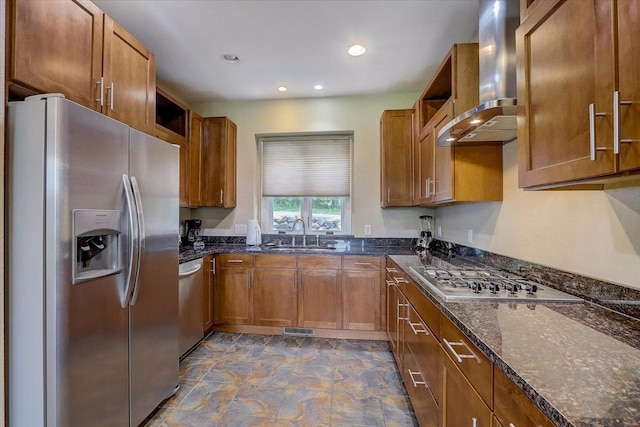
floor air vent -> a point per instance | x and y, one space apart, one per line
299 332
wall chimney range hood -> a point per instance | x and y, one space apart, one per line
494 120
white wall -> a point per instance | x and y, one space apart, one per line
359 114
593 233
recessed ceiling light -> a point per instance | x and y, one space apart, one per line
475 121
450 139
282 88
230 58
318 87
356 50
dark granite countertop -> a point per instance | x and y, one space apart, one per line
190 254
579 362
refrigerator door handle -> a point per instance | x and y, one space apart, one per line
141 237
133 241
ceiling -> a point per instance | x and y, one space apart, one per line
296 44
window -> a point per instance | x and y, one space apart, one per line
307 177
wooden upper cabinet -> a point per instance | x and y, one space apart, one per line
73 48
423 161
195 159
567 84
57 47
628 39
396 185
129 71
218 162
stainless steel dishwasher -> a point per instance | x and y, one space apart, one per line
190 309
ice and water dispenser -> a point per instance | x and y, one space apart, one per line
96 244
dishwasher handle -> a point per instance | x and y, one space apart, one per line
190 272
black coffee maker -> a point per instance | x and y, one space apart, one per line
193 231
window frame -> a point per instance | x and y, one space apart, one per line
306 213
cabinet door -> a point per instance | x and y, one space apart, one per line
274 297
218 162
396 309
423 167
195 160
57 47
628 39
422 401
236 296
207 289
361 300
129 71
512 407
396 158
319 299
443 158
563 74
461 406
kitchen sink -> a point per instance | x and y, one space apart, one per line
300 248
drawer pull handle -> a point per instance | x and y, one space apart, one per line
474 422
399 311
399 280
391 270
235 261
417 383
512 425
421 330
459 357
592 132
389 283
362 263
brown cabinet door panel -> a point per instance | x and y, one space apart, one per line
319 299
424 406
274 297
57 48
561 73
361 300
628 39
195 158
396 158
129 71
425 350
513 407
236 296
207 297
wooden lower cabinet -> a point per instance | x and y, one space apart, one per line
512 407
395 302
424 405
361 293
461 405
234 289
319 299
209 264
274 290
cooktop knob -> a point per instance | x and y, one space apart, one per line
476 287
532 288
513 288
494 288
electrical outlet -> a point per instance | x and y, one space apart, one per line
240 228
367 230
470 235
439 231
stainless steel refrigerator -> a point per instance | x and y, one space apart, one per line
92 265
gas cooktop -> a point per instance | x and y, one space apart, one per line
455 283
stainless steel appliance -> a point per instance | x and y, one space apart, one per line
92 266
479 283
190 311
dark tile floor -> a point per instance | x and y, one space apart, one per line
250 380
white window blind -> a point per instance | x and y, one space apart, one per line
306 166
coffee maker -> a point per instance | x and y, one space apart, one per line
193 231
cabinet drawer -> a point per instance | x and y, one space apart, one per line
512 407
396 275
350 262
275 261
320 262
422 401
235 260
425 350
423 305
477 368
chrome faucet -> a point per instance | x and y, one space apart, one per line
304 230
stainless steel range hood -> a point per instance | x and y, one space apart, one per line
494 120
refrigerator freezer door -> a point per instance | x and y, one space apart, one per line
77 158
153 316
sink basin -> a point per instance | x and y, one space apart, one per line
300 248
